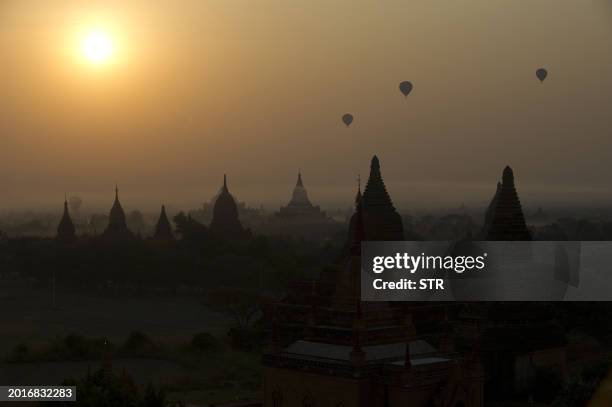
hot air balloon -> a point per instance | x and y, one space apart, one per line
347 119
541 74
405 87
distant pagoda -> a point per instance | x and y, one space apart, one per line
504 219
225 222
299 197
65 230
300 208
163 229
117 229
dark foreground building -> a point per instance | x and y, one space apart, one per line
517 340
328 348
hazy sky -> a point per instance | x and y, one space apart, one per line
256 89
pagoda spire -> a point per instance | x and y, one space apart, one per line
163 229
225 222
381 220
299 197
375 194
117 226
504 219
358 196
358 234
299 183
66 230
508 176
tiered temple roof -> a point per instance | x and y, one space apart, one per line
507 331
330 305
381 220
324 329
300 206
225 221
504 219
299 198
65 229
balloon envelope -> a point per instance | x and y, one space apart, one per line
347 119
541 74
405 87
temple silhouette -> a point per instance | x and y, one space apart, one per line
327 346
225 223
300 218
300 207
516 339
66 230
504 219
117 229
163 229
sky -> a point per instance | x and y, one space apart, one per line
256 90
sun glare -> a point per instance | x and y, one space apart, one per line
97 47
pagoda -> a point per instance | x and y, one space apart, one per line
381 221
300 207
163 229
117 229
328 347
65 229
515 339
504 219
300 218
225 223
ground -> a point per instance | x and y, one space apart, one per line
28 318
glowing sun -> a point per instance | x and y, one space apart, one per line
98 47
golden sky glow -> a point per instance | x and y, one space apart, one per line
98 46
170 95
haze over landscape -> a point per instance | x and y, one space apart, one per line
257 91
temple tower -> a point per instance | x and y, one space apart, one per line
225 222
504 219
117 227
163 229
381 220
299 198
354 353
65 229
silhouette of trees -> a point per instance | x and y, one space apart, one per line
239 304
105 389
190 230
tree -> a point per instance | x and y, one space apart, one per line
241 305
